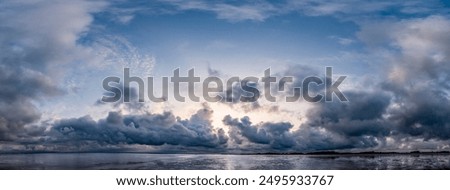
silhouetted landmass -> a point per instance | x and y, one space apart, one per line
355 153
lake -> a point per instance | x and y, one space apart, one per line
137 161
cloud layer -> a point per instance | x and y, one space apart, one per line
405 109
150 129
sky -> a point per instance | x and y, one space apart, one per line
55 54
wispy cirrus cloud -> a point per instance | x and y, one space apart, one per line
349 9
257 11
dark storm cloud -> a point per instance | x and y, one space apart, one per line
358 123
360 116
426 116
147 129
234 94
363 123
18 88
276 135
418 76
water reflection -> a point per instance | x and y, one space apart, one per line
220 162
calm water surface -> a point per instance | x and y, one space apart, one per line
220 162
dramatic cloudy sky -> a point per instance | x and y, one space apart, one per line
55 54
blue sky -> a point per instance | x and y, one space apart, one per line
194 37
395 55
